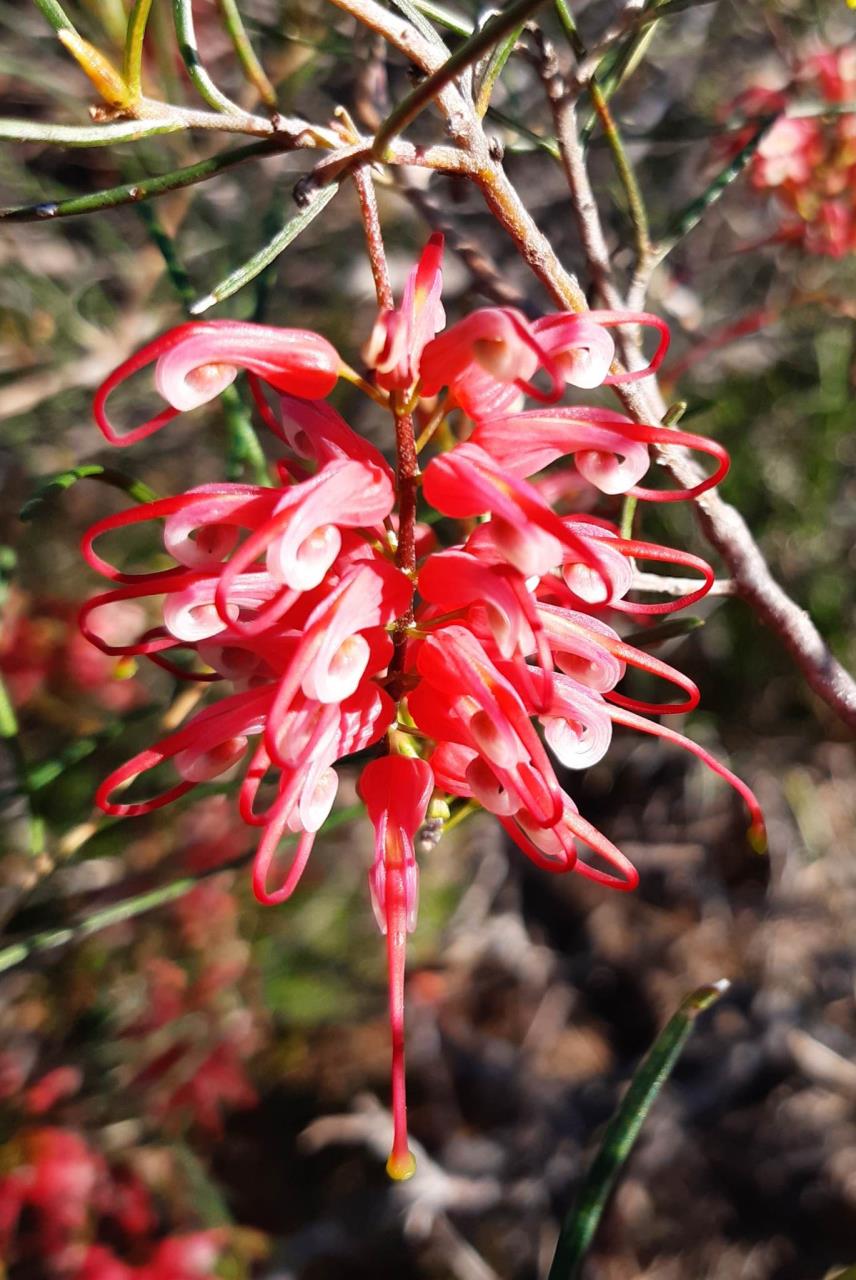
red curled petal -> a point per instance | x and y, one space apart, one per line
611 319
274 828
632 721
668 436
294 360
664 555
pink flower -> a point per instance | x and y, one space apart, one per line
333 623
399 337
196 361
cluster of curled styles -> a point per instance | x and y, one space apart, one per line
339 626
809 163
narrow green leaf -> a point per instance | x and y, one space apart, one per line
56 15
417 19
688 218
470 51
135 192
253 69
494 68
268 253
622 1131
94 135
439 13
185 31
89 471
47 940
134 36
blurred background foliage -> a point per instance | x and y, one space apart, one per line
212 1043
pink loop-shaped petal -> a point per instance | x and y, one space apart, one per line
195 361
611 449
241 505
369 596
492 347
631 721
484 711
664 555
568 631
273 832
395 347
297 541
468 482
223 725
315 431
581 349
612 319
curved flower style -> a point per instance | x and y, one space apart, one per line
337 627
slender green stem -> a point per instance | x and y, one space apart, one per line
57 485
621 160
135 192
438 13
253 69
622 1131
132 67
93 135
688 218
56 15
469 52
414 15
180 280
550 145
267 254
185 31
494 68
47 940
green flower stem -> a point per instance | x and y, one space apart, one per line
267 254
186 35
468 53
93 135
622 1131
133 61
253 69
47 940
134 192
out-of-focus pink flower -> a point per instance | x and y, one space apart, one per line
808 163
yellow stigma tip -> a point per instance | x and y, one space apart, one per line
757 836
401 1167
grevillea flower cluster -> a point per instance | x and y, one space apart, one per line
809 163
337 626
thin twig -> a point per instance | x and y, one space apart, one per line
374 240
